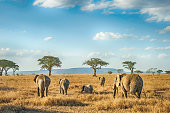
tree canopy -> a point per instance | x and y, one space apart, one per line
5 65
129 65
48 62
95 63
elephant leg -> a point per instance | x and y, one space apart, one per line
66 91
114 91
138 94
46 91
124 91
38 91
63 91
42 93
60 89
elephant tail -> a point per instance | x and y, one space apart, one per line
144 92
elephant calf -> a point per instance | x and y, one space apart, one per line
102 80
87 88
43 83
64 84
132 83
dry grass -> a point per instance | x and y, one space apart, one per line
19 94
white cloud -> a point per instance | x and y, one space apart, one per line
164 30
158 48
59 3
108 12
158 10
153 39
144 37
111 36
145 56
162 55
128 49
101 55
47 38
128 57
165 40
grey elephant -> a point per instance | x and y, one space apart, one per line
102 80
64 84
87 88
132 83
43 83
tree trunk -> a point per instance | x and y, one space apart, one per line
49 72
132 71
1 73
6 72
13 72
94 72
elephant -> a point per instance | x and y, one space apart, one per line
87 88
132 83
102 80
64 84
43 83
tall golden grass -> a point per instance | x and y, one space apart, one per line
19 94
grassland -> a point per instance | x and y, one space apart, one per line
19 94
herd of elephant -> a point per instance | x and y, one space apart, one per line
131 83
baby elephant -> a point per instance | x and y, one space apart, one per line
132 83
102 80
87 88
64 84
43 83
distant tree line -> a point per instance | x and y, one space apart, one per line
6 65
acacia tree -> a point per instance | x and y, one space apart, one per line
1 67
7 64
95 64
14 68
129 65
138 71
159 71
120 71
151 70
48 62
167 72
109 72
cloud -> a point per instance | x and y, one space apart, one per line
128 57
145 56
108 12
158 10
162 55
158 48
98 5
128 49
59 3
47 38
144 37
153 39
101 55
111 36
165 40
164 30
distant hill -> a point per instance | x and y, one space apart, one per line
69 71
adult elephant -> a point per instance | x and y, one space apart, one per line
64 84
132 83
43 83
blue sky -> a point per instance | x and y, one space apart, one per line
77 30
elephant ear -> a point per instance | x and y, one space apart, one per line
35 78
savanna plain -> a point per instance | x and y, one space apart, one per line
18 94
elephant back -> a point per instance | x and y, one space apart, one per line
132 82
